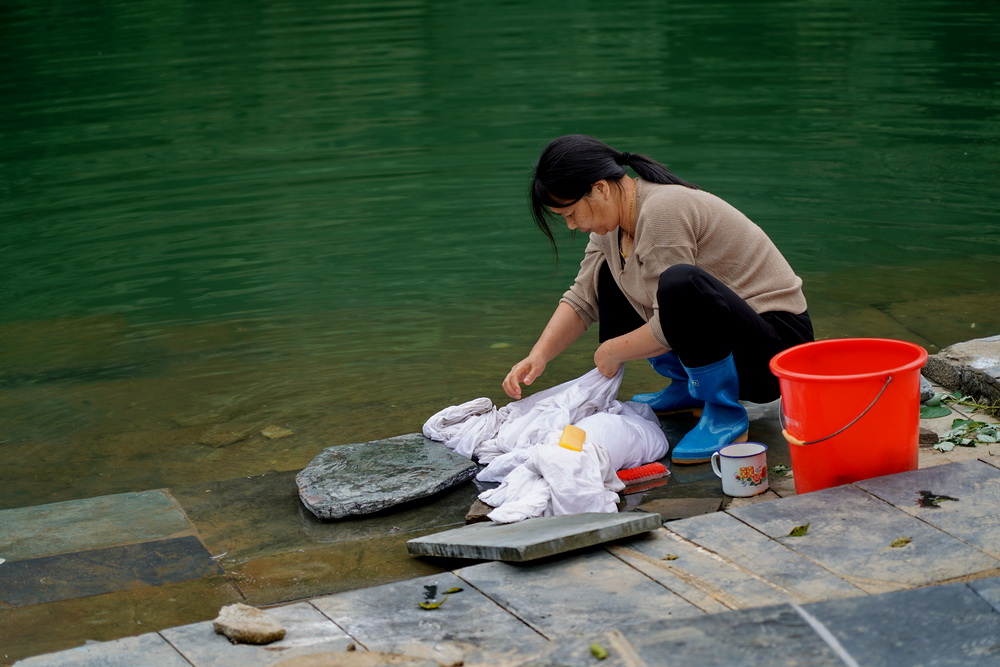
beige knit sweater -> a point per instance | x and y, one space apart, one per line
678 225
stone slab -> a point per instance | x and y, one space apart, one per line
974 517
90 523
577 595
701 577
80 574
800 578
367 477
307 631
940 625
850 534
533 538
467 626
576 652
988 589
764 636
148 649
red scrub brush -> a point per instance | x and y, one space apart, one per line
643 473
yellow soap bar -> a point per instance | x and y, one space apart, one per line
572 438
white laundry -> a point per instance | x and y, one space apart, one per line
554 481
519 444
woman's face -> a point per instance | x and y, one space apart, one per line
593 213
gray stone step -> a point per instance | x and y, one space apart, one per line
468 625
973 518
575 595
851 534
533 538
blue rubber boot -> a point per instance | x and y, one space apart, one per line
675 398
723 421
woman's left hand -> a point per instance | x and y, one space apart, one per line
605 359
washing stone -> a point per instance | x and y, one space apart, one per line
362 478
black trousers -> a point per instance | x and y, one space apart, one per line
704 321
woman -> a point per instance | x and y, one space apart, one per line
672 274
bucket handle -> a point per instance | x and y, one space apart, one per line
795 441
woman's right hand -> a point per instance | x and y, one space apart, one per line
524 371
564 327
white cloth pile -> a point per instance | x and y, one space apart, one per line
519 443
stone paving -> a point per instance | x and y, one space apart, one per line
146 564
840 594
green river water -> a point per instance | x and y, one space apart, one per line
220 216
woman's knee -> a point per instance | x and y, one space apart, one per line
682 279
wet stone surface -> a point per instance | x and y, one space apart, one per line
363 478
971 367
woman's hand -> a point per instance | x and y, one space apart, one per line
564 327
524 371
606 360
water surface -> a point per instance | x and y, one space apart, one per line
222 216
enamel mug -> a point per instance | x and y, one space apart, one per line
743 468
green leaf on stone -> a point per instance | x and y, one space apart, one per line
456 589
933 411
598 651
670 557
901 542
799 531
432 605
944 446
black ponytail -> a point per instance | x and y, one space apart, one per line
569 166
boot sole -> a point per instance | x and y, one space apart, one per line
685 462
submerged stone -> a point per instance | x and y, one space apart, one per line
274 432
366 477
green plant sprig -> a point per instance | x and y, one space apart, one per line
968 433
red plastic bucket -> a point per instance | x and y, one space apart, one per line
851 409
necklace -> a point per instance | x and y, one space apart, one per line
631 214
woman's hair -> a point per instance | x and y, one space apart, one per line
569 166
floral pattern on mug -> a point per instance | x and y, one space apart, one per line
751 475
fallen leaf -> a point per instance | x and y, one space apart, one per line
432 605
933 411
598 651
901 542
670 557
799 531
456 589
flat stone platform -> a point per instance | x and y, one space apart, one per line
877 578
533 538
